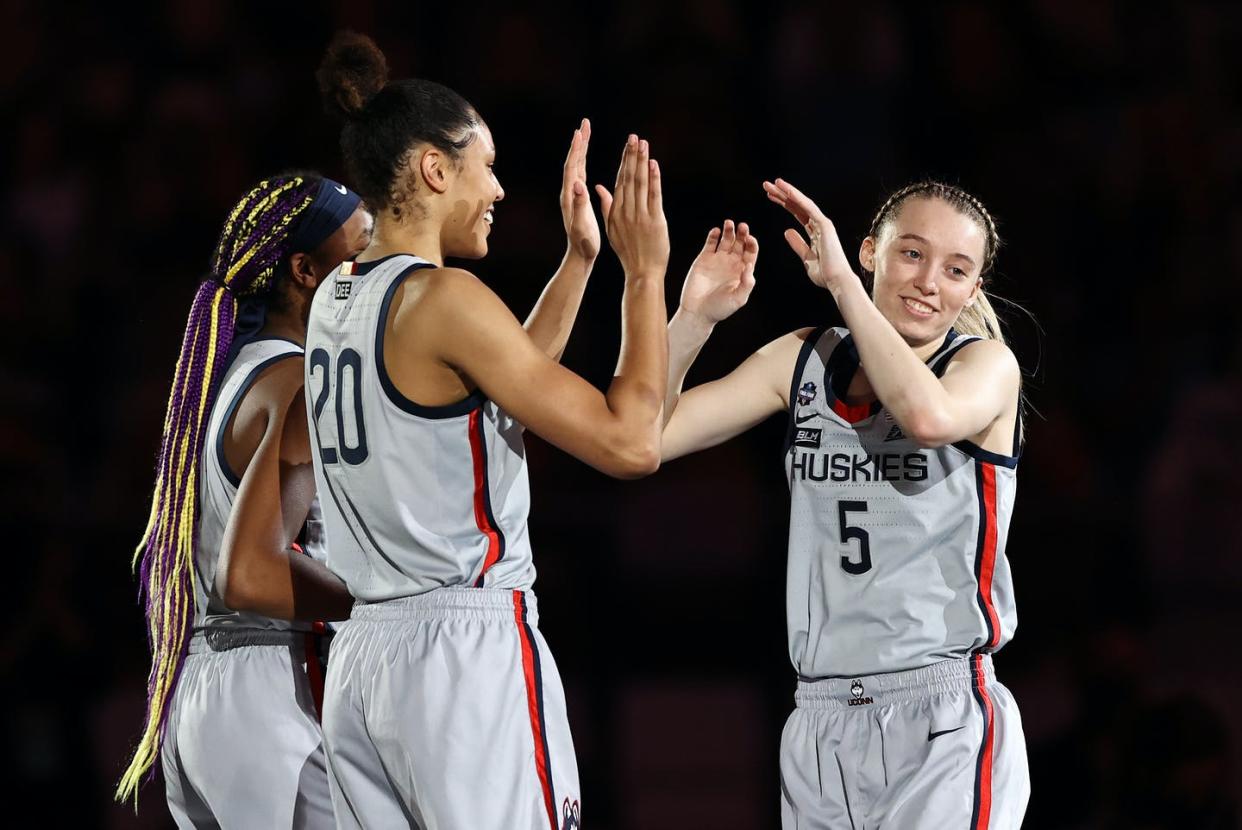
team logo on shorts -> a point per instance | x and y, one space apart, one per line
341 289
856 692
571 815
806 393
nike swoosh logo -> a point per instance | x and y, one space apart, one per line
801 419
340 188
931 736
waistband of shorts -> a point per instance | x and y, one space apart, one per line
879 689
452 602
224 639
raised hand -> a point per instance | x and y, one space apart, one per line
721 277
581 229
634 212
823 258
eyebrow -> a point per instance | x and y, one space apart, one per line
918 238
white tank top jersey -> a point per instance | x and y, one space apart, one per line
218 485
415 497
896 552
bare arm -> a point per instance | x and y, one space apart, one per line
552 319
258 571
980 385
712 413
618 432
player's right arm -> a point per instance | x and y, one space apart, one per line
718 284
258 570
618 432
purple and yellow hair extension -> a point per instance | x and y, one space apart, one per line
255 239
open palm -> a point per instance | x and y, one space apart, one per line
581 228
722 275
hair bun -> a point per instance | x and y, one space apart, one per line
352 72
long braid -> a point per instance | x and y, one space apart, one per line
254 241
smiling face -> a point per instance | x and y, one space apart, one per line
471 197
928 263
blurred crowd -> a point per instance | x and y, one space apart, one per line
1105 136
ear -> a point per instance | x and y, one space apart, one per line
435 169
866 254
974 292
302 269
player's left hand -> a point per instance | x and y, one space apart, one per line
823 258
722 276
581 227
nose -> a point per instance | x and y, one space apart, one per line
925 279
500 191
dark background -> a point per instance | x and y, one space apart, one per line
1105 137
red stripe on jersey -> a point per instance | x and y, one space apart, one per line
983 779
314 674
987 565
853 414
532 704
478 456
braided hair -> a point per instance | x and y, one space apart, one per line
248 260
979 319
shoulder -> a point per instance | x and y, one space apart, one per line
444 286
991 354
279 383
988 360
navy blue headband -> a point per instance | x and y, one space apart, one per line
333 205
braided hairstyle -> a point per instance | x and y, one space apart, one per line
979 319
248 261
385 121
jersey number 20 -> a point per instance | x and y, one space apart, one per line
319 359
847 533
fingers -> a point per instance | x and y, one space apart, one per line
750 248
625 173
791 199
642 174
729 237
585 132
798 244
655 189
605 201
713 239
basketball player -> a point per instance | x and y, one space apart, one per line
443 706
901 454
235 720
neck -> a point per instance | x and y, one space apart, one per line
392 236
926 350
288 323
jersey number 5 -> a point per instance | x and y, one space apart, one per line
319 359
847 533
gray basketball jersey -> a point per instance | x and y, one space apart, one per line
896 552
218 484
415 497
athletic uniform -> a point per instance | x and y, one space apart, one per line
243 746
443 706
898 593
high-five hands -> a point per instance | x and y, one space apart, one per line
581 229
634 213
722 275
823 258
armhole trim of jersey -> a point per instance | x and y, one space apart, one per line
451 410
804 354
233 477
975 451
941 363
